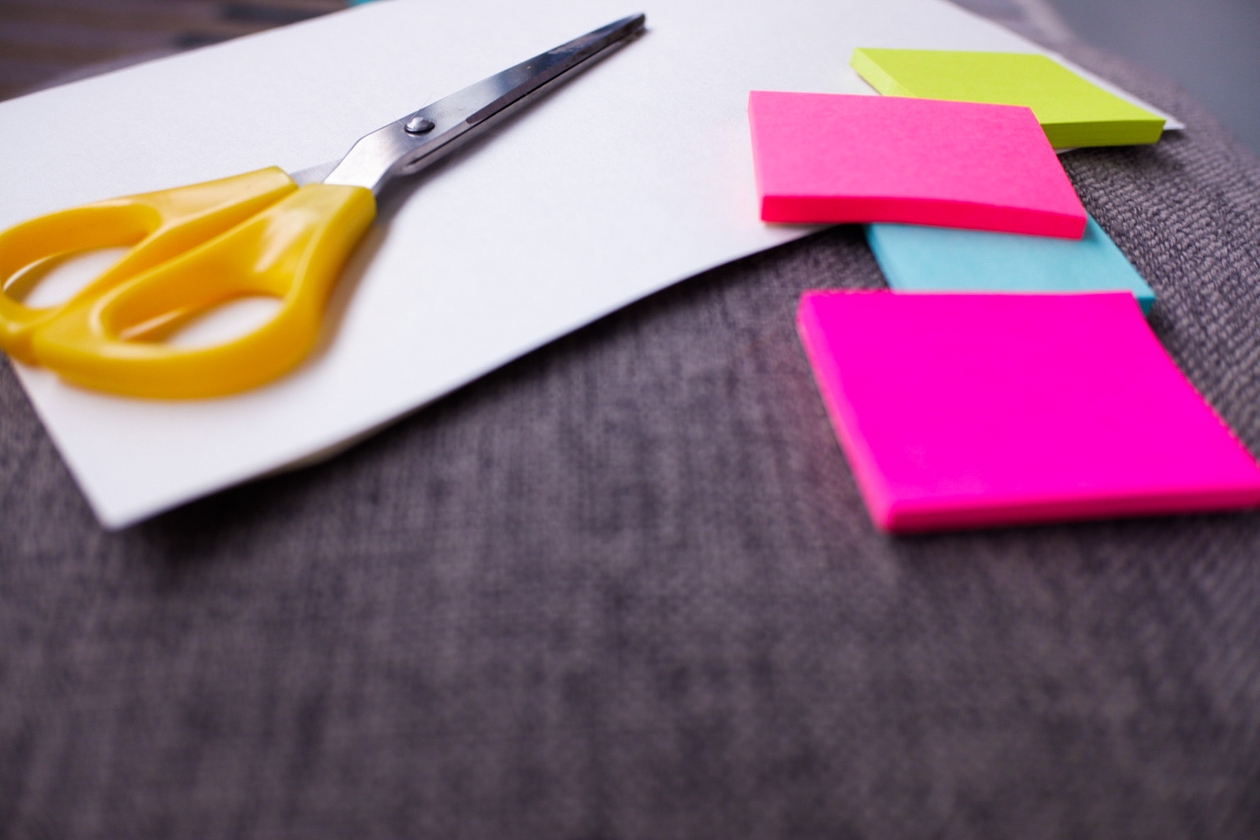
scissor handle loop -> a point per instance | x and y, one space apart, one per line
293 250
156 226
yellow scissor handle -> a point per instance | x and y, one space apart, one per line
292 250
156 226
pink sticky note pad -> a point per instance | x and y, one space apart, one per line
836 158
972 410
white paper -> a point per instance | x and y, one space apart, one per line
633 176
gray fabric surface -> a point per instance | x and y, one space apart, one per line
626 588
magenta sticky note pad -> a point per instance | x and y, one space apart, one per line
839 158
974 410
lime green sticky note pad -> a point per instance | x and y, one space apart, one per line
1073 111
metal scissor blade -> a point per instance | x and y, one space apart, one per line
410 144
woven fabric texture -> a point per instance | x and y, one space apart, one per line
626 588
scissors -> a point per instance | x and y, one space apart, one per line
197 247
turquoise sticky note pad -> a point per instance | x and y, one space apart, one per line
933 259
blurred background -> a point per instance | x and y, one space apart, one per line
1210 47
49 42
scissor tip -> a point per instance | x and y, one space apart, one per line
634 22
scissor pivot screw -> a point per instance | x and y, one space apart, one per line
419 125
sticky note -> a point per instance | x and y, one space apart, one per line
975 410
1073 110
836 158
931 259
